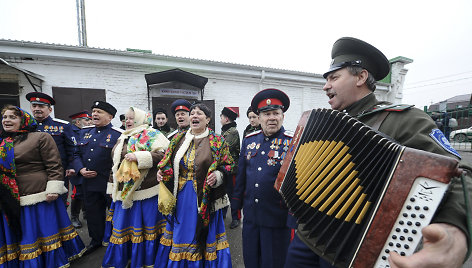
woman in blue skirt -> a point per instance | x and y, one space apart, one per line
136 224
195 169
35 230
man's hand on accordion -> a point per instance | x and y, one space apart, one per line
444 245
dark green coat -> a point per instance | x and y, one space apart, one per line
231 135
411 128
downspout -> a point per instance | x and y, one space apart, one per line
262 79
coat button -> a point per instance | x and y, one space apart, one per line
98 131
266 139
89 159
262 153
259 168
94 139
91 149
256 200
256 185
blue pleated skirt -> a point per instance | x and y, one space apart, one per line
49 239
177 245
135 234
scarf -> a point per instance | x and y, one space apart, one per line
140 138
170 170
9 192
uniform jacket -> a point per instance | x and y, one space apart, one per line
64 137
231 135
259 163
165 129
249 129
77 179
38 168
412 128
94 146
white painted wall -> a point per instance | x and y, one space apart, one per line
121 74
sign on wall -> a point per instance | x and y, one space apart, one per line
179 92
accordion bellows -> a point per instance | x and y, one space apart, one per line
357 193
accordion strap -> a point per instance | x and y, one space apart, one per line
379 120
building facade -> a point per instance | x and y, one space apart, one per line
75 76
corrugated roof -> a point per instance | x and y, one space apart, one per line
147 55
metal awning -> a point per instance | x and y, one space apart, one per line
28 74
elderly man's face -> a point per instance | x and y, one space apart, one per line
100 117
271 121
40 111
183 118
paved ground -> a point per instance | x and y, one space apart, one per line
94 260
234 237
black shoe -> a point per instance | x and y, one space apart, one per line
76 222
234 224
91 248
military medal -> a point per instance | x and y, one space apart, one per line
46 127
108 137
271 162
248 155
273 144
257 146
61 129
286 144
277 143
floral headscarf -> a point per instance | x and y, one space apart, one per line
9 193
140 138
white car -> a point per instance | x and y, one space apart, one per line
461 135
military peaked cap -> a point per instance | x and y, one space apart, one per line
349 51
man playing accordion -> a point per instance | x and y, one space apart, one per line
350 86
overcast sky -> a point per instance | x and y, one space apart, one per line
293 35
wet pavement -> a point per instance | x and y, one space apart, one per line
94 260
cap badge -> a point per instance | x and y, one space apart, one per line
96 103
268 101
37 99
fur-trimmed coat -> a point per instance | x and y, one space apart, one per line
38 168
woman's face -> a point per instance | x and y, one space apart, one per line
10 121
129 119
198 121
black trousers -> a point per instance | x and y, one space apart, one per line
95 205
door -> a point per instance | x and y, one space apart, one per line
74 100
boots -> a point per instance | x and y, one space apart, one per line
75 207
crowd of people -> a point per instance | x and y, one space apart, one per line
155 196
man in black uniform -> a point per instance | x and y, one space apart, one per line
94 166
79 121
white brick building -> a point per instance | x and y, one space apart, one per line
119 75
